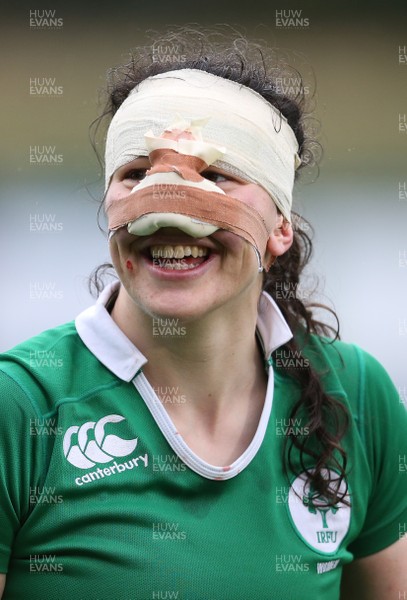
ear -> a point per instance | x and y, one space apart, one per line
280 240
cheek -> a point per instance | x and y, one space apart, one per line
112 194
230 241
236 246
255 196
120 247
122 253
123 240
118 190
114 253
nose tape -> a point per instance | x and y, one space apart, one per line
169 161
174 193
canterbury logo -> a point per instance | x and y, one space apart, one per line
94 446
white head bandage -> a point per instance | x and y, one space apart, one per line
259 144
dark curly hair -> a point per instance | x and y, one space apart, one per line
275 75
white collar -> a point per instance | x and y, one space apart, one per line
112 347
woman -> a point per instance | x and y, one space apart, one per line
200 439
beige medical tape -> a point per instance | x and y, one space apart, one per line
260 146
217 209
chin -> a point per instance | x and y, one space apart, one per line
184 307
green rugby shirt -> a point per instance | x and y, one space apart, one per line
100 497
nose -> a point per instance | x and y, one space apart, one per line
167 160
177 134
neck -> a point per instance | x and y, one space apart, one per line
213 360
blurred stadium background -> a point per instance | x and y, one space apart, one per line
357 205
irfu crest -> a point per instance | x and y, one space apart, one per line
310 499
308 509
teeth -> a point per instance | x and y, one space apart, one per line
168 252
177 251
178 266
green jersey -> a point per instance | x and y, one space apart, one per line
101 498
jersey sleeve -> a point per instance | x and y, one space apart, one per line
383 428
20 460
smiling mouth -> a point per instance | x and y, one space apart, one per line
177 257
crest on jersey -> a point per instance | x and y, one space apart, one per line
322 527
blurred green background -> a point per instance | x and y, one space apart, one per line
357 204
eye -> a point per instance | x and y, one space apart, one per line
135 174
215 176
